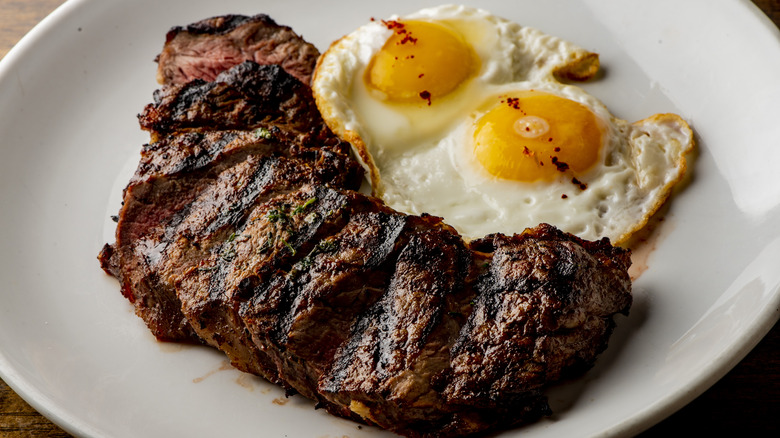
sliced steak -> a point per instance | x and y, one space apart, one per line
385 373
243 229
212 192
205 49
247 96
550 295
464 340
303 314
394 321
191 168
268 241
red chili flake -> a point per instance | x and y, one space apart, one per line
421 75
393 24
550 140
409 56
562 167
408 38
426 95
527 151
556 149
579 183
564 196
514 102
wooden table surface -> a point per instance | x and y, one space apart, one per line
745 402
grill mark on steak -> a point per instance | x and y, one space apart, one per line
208 47
203 157
425 275
283 238
258 183
384 314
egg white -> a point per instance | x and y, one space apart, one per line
507 51
420 158
638 165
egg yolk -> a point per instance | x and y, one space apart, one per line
420 62
533 136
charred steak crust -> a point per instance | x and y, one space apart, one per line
248 95
208 47
242 229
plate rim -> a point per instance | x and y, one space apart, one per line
639 421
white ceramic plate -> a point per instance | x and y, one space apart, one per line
70 91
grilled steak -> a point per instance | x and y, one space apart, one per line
204 49
243 229
246 96
201 179
466 337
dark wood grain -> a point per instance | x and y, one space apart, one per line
746 402
17 17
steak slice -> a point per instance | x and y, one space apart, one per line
553 297
247 96
205 49
385 373
188 160
165 205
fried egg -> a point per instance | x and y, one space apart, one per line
461 114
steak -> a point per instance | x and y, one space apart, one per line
466 337
243 229
202 179
204 49
247 96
